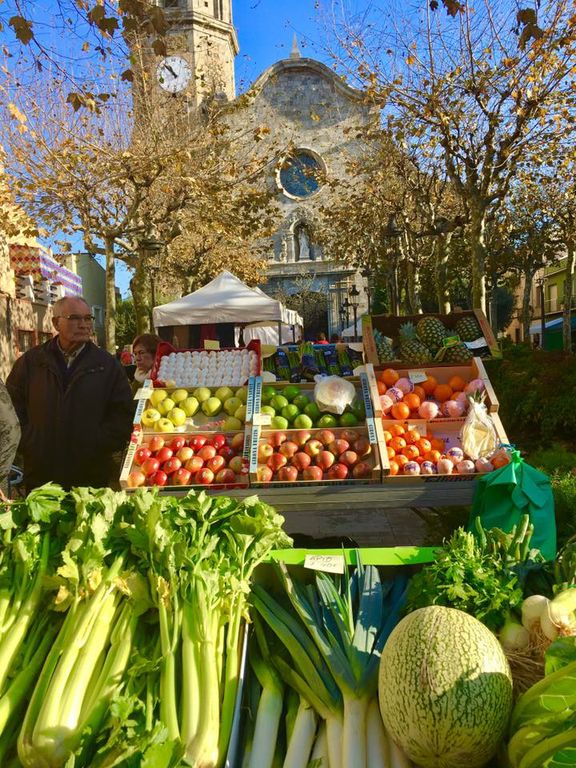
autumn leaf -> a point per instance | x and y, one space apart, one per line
19 116
22 29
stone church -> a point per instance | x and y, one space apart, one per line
312 117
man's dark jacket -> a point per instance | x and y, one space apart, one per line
72 420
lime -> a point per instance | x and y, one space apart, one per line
358 408
278 402
268 409
327 420
302 422
301 401
290 412
279 422
313 411
268 393
290 392
242 394
348 420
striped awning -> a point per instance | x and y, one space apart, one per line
29 260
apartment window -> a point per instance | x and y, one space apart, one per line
553 298
98 313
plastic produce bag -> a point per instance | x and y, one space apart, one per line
478 435
504 496
333 394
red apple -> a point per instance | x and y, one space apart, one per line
276 438
185 453
206 452
158 478
312 473
326 436
362 447
313 447
197 441
181 476
205 476
301 461
227 451
171 465
237 442
265 450
276 461
349 458
225 476
238 464
288 474
264 474
288 448
216 463
176 443
155 443
338 446
325 459
349 434
164 454
141 455
338 472
150 466
218 441
194 464
362 469
302 436
136 478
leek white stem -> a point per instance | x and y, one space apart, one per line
334 738
377 747
320 751
354 732
266 731
302 738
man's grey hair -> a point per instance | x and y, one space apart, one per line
59 305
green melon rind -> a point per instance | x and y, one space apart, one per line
445 689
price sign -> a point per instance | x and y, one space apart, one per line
212 344
143 393
262 419
327 563
417 377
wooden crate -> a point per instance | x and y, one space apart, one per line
389 325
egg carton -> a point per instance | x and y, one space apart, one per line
206 368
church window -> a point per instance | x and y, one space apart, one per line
171 3
300 174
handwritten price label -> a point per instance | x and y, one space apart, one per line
327 563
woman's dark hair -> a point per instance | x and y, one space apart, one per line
147 340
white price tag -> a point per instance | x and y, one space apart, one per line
477 344
143 394
417 377
327 563
262 419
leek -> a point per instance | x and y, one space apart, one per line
301 740
268 714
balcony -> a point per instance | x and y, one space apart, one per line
553 306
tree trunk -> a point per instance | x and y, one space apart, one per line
478 246
526 310
110 316
140 288
493 311
568 292
440 273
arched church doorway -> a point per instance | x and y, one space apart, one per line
313 306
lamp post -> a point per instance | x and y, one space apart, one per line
541 282
346 307
151 247
354 293
367 275
393 231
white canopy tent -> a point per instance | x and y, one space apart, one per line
226 299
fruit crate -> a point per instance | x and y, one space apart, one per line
449 432
475 369
253 348
134 474
152 414
389 325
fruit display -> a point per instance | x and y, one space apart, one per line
221 408
325 455
185 460
206 368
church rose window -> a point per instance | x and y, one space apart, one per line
300 174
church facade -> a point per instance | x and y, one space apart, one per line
312 118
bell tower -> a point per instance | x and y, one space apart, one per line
202 32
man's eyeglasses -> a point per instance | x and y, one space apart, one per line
78 318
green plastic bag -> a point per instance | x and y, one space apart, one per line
503 496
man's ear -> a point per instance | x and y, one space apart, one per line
55 322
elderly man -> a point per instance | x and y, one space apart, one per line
74 404
9 434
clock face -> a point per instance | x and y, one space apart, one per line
173 74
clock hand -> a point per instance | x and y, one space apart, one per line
169 68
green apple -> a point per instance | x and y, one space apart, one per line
290 392
268 409
279 422
150 416
240 413
358 408
327 420
166 405
301 401
212 406
348 419
157 396
232 404
178 395
223 393
242 394
278 402
177 416
189 406
163 425
268 393
202 393
313 411
302 422
290 412
231 424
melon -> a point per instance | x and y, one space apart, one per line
445 689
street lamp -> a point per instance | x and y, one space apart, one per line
393 231
346 307
367 275
354 293
541 282
151 247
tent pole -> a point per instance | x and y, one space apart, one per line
294 334
279 333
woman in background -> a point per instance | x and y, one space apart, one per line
144 349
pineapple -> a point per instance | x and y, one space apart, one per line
431 331
412 350
383 347
455 354
468 329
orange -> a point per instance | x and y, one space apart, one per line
397 443
396 429
433 456
429 385
437 444
412 435
389 376
387 436
411 452
381 387
412 401
391 452
420 391
400 459
442 392
457 383
400 410
424 445
394 468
